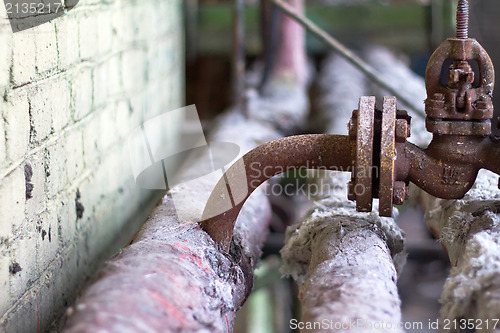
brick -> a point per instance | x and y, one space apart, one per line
23 252
74 154
17 125
49 108
115 160
67 40
142 22
55 169
66 215
6 56
46 49
4 284
88 36
36 200
67 278
108 129
23 57
133 70
100 76
88 193
47 237
81 94
123 120
115 85
107 80
60 96
45 298
90 141
160 94
40 113
12 201
105 35
121 22
138 105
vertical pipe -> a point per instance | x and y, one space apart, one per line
238 61
291 59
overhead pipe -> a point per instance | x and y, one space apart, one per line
319 151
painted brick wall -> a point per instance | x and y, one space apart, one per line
71 90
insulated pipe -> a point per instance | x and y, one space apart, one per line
317 151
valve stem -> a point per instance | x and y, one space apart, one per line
463 19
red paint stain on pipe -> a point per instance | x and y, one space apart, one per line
172 309
193 257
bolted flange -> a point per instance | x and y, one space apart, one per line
375 177
360 187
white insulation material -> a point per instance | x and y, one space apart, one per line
469 229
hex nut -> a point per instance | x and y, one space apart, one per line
400 193
402 130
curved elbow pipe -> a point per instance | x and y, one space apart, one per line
441 174
318 151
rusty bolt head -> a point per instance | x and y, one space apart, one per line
400 193
351 194
456 75
481 104
402 130
460 71
453 76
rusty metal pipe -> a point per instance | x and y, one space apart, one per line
449 166
317 151
447 169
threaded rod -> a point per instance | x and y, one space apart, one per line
463 19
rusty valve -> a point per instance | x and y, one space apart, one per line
462 106
459 114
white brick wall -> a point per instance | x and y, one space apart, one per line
71 90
